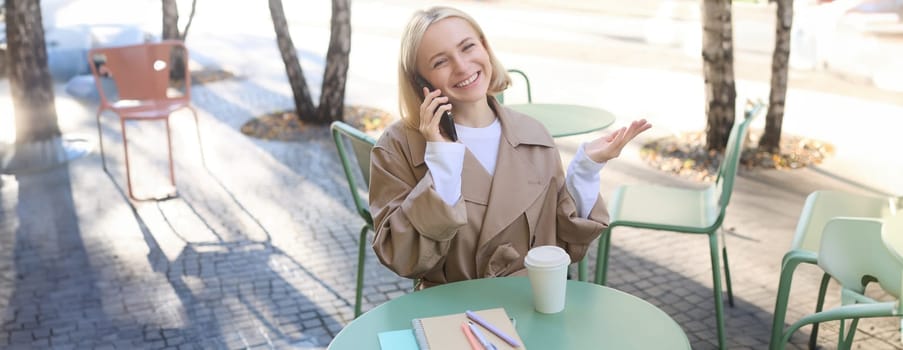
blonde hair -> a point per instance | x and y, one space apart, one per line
409 90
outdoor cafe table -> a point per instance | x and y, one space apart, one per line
595 317
566 120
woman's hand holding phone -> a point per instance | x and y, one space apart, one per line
431 110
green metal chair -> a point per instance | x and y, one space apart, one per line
855 252
501 96
683 210
361 144
820 207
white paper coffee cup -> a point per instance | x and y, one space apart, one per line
547 268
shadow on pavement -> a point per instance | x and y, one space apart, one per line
231 288
59 297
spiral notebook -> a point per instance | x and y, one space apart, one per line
444 332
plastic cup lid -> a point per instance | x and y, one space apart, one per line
547 256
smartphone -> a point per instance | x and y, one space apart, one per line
447 121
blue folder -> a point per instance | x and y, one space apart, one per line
398 340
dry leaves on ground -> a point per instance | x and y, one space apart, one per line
685 155
286 126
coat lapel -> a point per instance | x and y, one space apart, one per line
477 181
517 181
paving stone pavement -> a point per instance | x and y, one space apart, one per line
259 249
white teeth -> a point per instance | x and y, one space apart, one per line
468 81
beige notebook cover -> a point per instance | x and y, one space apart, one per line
445 333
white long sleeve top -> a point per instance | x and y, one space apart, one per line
445 161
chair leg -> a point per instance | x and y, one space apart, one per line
125 147
103 159
361 250
727 269
846 341
128 171
842 313
197 128
581 269
602 258
172 171
716 289
822 289
788 266
727 278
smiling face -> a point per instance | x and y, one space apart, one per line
453 58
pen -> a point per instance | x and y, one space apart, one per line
471 315
470 339
482 338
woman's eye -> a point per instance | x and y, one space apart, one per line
469 46
438 63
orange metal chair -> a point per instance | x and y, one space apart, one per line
141 74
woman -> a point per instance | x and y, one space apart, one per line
447 211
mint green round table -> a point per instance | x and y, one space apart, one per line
566 120
595 317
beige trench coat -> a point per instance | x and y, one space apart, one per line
488 232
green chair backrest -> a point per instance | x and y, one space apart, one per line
893 223
361 144
501 96
855 252
825 205
727 171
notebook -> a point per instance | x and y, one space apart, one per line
444 332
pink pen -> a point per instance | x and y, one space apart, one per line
474 344
476 318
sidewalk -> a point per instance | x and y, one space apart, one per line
259 249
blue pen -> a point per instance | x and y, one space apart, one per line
471 315
480 337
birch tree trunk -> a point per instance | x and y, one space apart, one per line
332 98
771 139
304 105
171 32
31 87
170 20
718 70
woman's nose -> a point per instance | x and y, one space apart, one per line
457 62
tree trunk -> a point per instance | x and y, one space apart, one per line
332 98
771 139
171 32
718 70
170 20
194 6
31 87
304 105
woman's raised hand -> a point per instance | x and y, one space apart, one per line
430 113
608 147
